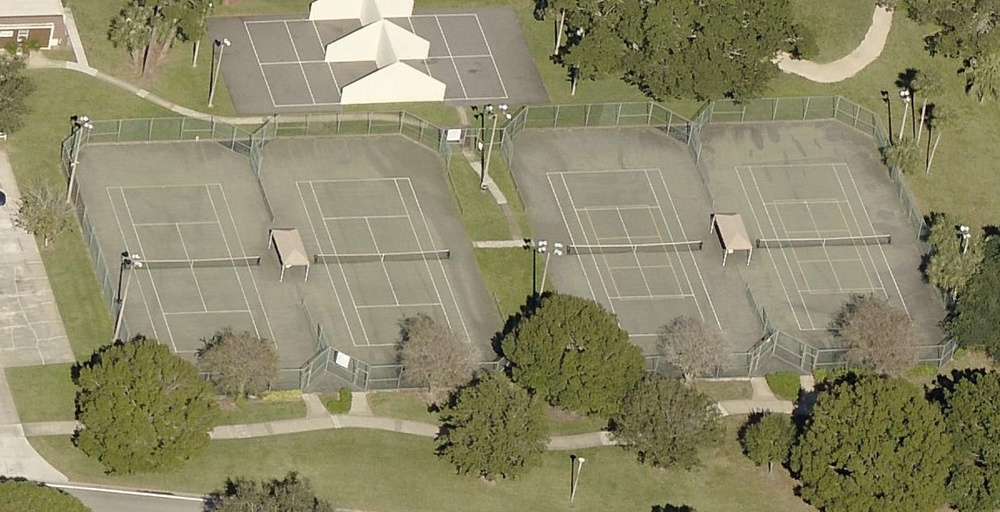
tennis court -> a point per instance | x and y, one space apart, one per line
634 214
624 228
378 254
181 233
826 247
827 220
381 240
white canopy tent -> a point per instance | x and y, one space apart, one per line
734 234
291 253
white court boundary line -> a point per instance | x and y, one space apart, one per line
253 280
784 255
694 260
152 281
354 304
885 259
450 56
256 57
299 59
447 281
586 239
777 272
121 231
187 256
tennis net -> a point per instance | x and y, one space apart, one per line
692 245
781 243
249 261
386 256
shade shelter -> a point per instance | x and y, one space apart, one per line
291 253
733 234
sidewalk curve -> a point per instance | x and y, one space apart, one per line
846 67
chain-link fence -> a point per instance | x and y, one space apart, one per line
594 115
365 123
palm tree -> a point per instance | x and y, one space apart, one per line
938 118
983 77
904 155
926 83
131 30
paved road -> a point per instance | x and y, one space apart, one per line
114 500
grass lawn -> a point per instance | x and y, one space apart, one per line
480 214
840 25
403 405
371 469
43 393
568 423
409 405
784 385
259 411
721 390
34 154
507 273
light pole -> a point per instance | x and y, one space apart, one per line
128 261
966 233
80 123
493 114
904 94
542 247
888 107
574 72
222 44
577 467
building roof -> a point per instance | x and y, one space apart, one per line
11 8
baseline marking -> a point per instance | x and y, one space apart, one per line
257 56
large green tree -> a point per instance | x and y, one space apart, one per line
983 76
976 319
142 407
290 494
19 495
571 352
964 27
15 87
680 49
665 422
494 428
768 438
873 444
972 415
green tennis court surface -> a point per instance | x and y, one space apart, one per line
374 216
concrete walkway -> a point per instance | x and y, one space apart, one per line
361 416
850 65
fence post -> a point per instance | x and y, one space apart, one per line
149 132
805 109
649 115
618 115
586 115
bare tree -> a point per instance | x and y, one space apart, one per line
876 334
693 346
43 212
240 364
433 356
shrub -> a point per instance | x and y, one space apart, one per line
339 403
784 385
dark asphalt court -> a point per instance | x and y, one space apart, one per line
276 63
